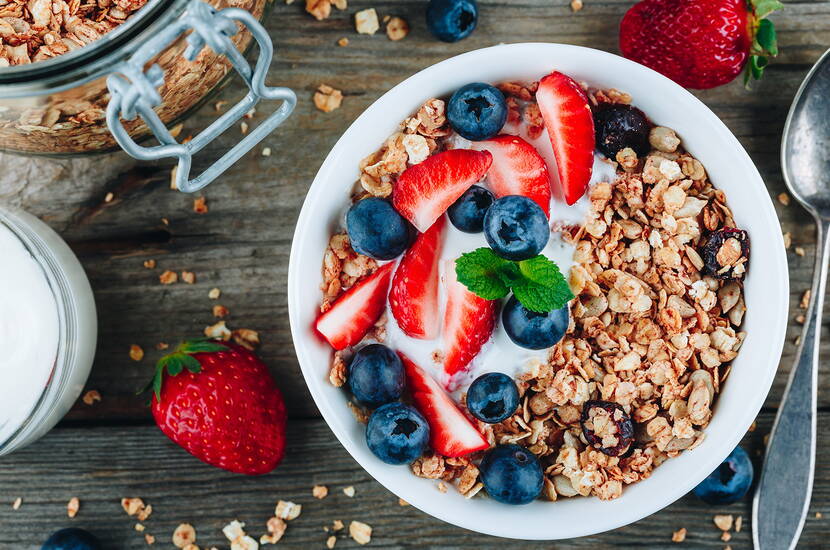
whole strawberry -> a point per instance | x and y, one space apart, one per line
219 403
701 43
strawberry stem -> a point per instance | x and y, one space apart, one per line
764 38
180 359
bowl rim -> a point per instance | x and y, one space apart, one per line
337 420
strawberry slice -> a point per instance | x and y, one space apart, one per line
425 191
468 324
353 314
414 295
518 169
451 433
567 115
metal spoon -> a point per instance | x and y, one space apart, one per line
783 495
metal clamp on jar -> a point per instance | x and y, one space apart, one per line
142 77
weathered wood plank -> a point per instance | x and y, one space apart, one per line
102 465
242 244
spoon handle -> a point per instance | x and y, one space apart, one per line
783 494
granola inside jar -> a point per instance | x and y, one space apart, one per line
54 68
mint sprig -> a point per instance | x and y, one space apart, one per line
180 359
537 283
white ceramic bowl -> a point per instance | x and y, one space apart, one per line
729 167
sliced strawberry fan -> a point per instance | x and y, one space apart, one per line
356 311
452 434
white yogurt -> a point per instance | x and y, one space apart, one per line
29 332
499 354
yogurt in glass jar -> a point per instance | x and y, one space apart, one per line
48 329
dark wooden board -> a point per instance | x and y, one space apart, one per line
103 464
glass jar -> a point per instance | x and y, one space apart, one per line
143 77
48 329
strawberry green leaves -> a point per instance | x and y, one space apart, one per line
182 359
537 282
764 40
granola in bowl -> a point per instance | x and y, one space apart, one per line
628 371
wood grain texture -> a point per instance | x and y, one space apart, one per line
116 462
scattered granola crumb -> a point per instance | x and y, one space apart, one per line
348 491
214 293
72 507
266 152
247 338
234 530
176 130
739 522
723 521
679 535
726 536
173 174
331 541
150 539
219 105
818 515
320 492
276 529
397 29
805 299
140 527
576 5
136 353
91 397
220 311
320 9
800 319
799 251
402 502
360 532
442 487
788 240
168 277
218 330
366 21
108 197
16 504
784 199
343 42
165 221
337 525
288 510
161 346
184 535
188 277
327 99
200 205
149 264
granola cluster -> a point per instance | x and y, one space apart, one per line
73 121
653 331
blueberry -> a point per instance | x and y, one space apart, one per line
477 111
397 433
516 228
532 330
467 213
452 20
729 482
492 397
619 126
376 375
377 230
511 474
607 427
71 539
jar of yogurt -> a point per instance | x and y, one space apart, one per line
48 329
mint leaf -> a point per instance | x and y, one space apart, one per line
541 270
479 271
540 298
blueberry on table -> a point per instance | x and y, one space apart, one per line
451 20
726 254
729 482
607 427
619 126
376 375
397 433
377 230
516 228
511 474
531 330
477 111
467 213
71 539
493 397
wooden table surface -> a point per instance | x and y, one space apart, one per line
112 449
